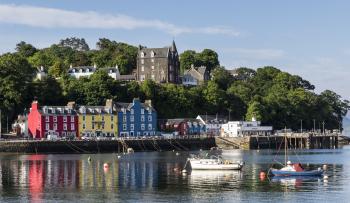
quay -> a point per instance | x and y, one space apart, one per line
106 146
294 141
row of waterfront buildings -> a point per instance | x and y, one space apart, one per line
117 119
159 64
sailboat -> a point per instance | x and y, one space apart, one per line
295 169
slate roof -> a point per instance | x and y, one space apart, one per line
213 119
94 110
198 72
158 52
83 68
57 110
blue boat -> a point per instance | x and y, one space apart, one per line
280 172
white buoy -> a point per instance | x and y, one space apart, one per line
325 177
184 171
177 153
324 167
119 156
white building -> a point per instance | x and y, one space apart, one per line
212 123
244 128
40 73
195 76
81 71
20 126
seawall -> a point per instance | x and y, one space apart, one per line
104 146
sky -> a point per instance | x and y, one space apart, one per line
306 38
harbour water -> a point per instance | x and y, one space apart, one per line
156 177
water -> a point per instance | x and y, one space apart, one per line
150 177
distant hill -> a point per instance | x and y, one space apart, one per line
346 125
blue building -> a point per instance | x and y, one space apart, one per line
136 119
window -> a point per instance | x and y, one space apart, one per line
47 118
47 126
149 118
152 60
131 118
132 127
171 67
112 126
142 77
83 125
153 77
142 54
142 68
149 111
149 126
112 117
93 126
72 126
142 118
83 118
152 67
103 126
72 119
103 118
153 54
124 118
142 126
93 118
171 77
55 126
64 118
55 119
142 61
64 126
132 111
124 126
142 111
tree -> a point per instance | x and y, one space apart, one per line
26 50
77 44
187 58
57 69
222 77
255 110
16 75
245 74
99 88
208 58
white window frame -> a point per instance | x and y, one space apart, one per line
64 118
149 118
124 126
72 126
47 126
55 119
124 118
64 126
142 118
55 126
142 111
142 61
142 126
72 119
132 118
149 126
152 67
132 127
47 118
142 68
131 111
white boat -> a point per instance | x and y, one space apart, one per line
214 163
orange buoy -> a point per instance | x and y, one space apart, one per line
262 175
105 165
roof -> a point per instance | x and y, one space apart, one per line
158 52
110 69
57 110
196 72
233 71
127 77
94 110
127 106
213 118
83 68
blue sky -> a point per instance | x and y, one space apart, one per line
307 38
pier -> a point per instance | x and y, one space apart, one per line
106 146
294 141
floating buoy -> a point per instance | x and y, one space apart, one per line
262 175
177 153
173 150
119 156
324 167
325 177
200 150
184 171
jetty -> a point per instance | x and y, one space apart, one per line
308 140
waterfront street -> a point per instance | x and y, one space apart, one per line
150 177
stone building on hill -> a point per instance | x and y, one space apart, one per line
159 64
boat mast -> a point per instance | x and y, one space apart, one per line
285 146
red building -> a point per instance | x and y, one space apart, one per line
55 120
178 125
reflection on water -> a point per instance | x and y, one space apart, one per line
156 176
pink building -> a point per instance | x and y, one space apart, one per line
56 120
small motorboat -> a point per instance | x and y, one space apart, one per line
214 163
295 170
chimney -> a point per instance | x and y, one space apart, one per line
71 66
95 65
109 103
253 118
35 105
71 104
116 66
148 103
42 68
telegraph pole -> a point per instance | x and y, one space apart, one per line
323 126
314 126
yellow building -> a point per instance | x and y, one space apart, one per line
98 121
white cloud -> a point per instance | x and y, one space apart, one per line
260 54
59 18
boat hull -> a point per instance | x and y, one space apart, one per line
197 165
277 172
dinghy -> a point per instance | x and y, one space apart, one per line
214 163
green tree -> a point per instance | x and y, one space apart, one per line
222 77
208 58
187 58
26 50
78 44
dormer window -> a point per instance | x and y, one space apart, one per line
153 54
73 70
83 110
142 54
87 70
53 110
81 70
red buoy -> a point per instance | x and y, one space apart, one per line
262 175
